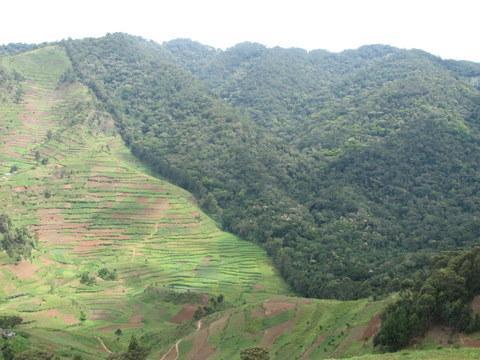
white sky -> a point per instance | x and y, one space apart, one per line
449 28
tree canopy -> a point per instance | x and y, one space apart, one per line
441 298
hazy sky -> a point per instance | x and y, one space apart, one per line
446 28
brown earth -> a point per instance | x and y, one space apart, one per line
23 269
135 320
201 349
47 261
313 347
259 287
172 354
219 325
273 307
271 334
469 342
185 314
372 328
68 319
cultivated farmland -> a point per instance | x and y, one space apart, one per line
93 206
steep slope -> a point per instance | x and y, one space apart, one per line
120 249
93 206
351 169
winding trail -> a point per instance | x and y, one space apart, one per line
175 347
103 345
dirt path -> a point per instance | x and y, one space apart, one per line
103 345
174 352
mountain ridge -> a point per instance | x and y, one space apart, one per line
255 134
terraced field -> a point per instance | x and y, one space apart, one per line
93 206
291 328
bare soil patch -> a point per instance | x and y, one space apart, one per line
172 354
99 314
47 261
185 314
306 355
259 287
87 245
469 342
219 325
201 350
271 334
273 307
135 320
23 269
372 328
68 319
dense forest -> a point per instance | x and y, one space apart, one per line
350 168
441 298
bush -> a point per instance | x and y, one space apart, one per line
255 353
106 274
9 322
442 298
86 279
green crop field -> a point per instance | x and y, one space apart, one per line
93 206
66 174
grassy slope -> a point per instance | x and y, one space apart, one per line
93 205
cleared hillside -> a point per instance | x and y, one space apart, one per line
93 206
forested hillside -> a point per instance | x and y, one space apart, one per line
444 297
351 169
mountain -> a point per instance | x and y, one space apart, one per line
351 169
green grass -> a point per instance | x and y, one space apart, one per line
320 328
439 354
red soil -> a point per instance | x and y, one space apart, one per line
66 318
271 334
372 328
23 269
273 307
312 348
201 350
469 342
185 314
